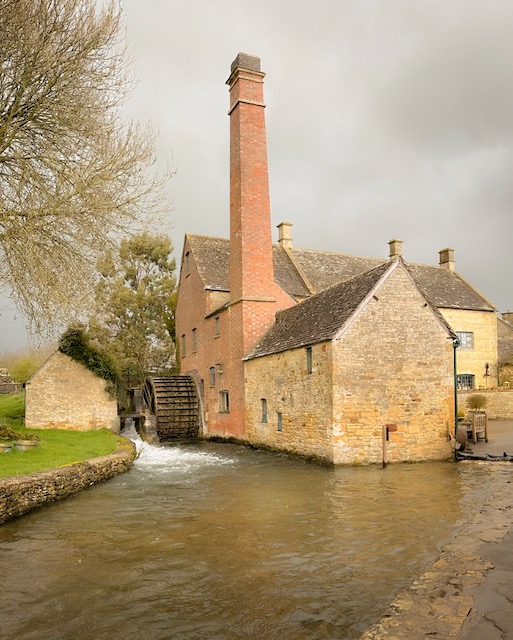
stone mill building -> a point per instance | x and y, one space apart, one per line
316 352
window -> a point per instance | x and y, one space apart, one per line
309 359
187 263
263 402
183 345
218 325
466 339
280 422
224 402
194 340
202 389
464 381
212 376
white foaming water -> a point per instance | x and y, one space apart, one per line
166 458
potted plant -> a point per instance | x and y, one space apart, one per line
476 403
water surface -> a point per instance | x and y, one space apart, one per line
214 541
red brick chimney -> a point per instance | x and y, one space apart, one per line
251 258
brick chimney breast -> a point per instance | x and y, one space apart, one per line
251 257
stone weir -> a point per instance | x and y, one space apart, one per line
21 494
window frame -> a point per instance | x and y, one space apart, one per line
212 376
224 401
183 346
217 321
309 360
464 338
194 340
263 407
280 421
465 381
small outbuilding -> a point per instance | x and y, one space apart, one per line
64 394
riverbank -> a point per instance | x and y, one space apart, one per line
21 494
467 593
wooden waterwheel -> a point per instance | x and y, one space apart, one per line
174 402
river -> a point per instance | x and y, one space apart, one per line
218 541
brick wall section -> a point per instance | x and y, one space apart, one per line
254 295
21 494
483 324
499 402
63 394
251 261
393 365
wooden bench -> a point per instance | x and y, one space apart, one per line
477 423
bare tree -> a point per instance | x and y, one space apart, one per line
73 172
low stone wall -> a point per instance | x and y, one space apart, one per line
499 402
21 494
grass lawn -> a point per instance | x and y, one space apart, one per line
57 447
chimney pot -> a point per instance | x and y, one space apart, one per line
396 248
285 234
447 258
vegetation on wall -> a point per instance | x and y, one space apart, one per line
75 343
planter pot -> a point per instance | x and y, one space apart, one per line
25 445
5 447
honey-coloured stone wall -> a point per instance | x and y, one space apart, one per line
63 394
483 324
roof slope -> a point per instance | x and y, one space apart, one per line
324 269
505 341
320 317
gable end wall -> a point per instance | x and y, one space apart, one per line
63 394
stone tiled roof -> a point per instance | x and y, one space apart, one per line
505 341
326 268
447 289
442 287
320 317
212 256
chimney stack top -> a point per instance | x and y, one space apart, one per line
447 258
246 61
285 234
396 248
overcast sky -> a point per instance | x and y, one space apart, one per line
385 119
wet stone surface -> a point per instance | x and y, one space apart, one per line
468 592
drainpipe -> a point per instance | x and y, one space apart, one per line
455 345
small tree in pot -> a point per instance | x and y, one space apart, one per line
477 403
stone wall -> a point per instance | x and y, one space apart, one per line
21 494
483 324
499 402
303 400
63 394
394 365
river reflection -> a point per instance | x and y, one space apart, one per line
212 541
